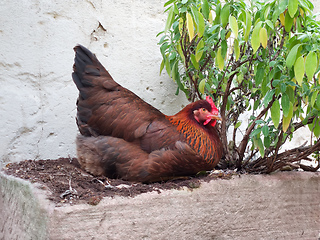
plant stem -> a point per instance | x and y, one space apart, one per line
244 142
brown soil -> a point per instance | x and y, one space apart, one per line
68 183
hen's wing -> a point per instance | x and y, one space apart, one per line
117 158
104 107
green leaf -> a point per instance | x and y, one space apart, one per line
259 121
311 125
169 2
169 19
233 25
275 113
267 142
195 15
258 144
299 70
281 17
283 4
181 23
238 124
177 91
256 105
176 76
201 25
318 102
210 19
175 72
291 94
316 129
285 104
288 21
299 24
201 85
172 56
179 50
266 12
264 86
259 76
224 48
162 66
313 98
283 87
270 24
291 58
236 49
286 120
292 7
263 35
190 26
199 50
225 12
217 13
265 130
255 132
248 23
162 40
255 39
268 97
311 65
194 61
261 147
205 9
219 59
167 65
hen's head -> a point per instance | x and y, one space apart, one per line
206 112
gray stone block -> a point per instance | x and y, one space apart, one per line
277 206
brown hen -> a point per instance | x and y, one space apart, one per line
122 136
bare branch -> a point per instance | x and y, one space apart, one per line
281 45
244 142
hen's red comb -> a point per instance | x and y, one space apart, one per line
209 100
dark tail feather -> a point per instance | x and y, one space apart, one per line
82 58
88 72
92 80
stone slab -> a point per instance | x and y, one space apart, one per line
277 206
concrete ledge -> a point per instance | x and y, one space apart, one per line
278 206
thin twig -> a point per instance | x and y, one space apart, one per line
245 139
108 185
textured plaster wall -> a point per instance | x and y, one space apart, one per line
37 97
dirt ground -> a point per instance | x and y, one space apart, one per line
69 184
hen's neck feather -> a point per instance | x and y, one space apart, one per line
203 139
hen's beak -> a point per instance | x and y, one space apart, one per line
212 116
215 116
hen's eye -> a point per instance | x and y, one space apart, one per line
203 109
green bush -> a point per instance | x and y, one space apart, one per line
257 57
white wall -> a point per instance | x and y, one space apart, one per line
37 97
